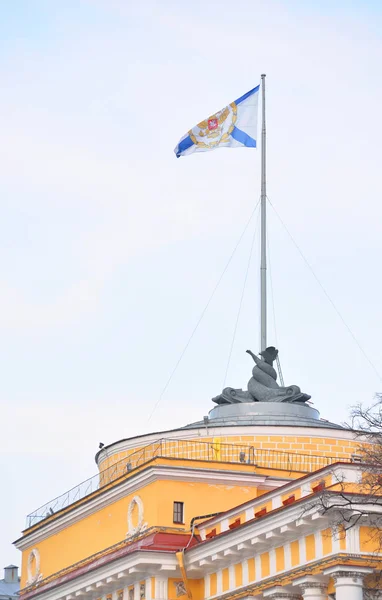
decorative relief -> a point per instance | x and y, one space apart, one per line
316 585
180 589
142 591
136 502
354 575
33 567
131 594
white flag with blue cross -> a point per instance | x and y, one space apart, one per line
235 126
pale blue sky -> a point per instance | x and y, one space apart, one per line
110 247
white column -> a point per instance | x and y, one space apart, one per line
348 582
231 577
148 588
161 588
207 586
272 561
245 572
219 582
313 587
137 593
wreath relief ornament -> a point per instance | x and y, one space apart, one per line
33 574
140 526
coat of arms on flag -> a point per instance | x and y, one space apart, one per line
215 130
232 127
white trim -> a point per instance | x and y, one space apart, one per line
219 581
287 557
245 572
272 561
249 513
224 525
231 577
207 585
258 571
335 540
354 542
302 549
318 544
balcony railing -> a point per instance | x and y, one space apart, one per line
184 450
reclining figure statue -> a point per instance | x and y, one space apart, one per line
262 387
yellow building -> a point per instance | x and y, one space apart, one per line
226 507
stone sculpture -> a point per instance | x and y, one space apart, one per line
262 387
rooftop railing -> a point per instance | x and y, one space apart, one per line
184 450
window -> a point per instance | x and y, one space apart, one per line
178 512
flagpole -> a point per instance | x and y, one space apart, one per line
263 263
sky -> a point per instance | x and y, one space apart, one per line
110 247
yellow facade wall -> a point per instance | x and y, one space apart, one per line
171 587
225 580
342 536
310 544
280 560
368 540
196 587
238 575
327 542
251 570
295 553
108 525
264 561
90 535
213 584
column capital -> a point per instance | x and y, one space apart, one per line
355 574
283 592
312 582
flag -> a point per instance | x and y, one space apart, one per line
235 126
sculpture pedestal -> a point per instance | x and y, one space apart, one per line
266 413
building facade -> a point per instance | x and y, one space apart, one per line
229 507
10 585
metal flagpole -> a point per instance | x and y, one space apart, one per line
263 263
